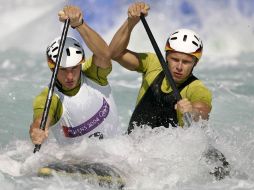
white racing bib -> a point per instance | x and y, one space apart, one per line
91 112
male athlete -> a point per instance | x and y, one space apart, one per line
156 104
82 104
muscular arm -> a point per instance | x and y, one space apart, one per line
37 135
101 53
200 109
120 41
100 49
118 46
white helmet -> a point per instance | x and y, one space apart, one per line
185 41
73 53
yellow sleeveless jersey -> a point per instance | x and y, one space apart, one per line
150 67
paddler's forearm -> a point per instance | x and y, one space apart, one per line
200 111
94 42
121 39
38 135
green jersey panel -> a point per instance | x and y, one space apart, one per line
95 73
55 110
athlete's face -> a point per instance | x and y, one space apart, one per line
69 77
180 65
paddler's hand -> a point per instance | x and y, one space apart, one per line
184 106
135 10
38 135
73 13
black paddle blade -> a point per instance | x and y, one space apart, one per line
37 148
53 80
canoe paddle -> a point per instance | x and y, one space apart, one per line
186 116
53 80
211 154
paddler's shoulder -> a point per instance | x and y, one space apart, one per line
148 62
198 85
44 93
40 99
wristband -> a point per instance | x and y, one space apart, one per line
82 22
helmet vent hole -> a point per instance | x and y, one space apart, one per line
53 44
68 52
174 33
54 56
196 37
77 45
184 38
55 49
195 43
78 52
174 38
